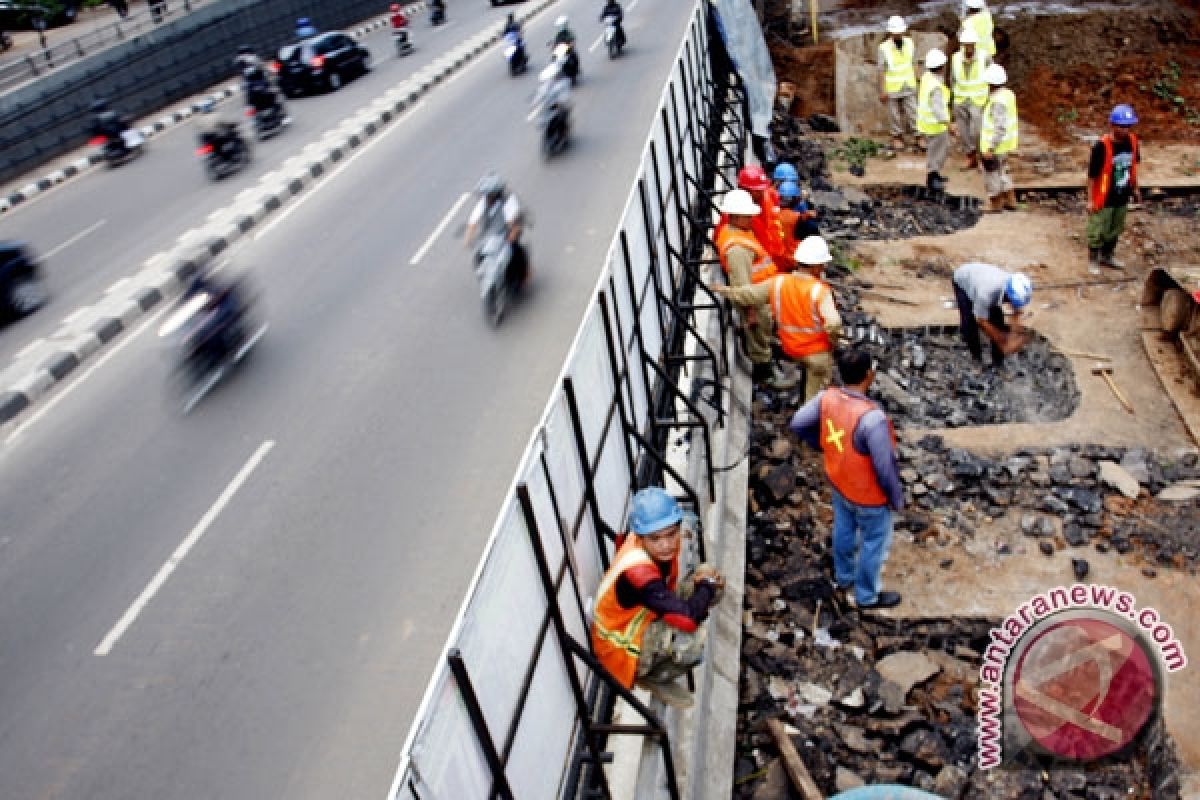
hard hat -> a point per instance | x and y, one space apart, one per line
789 189
1019 289
975 5
652 511
395 7
995 75
739 202
935 58
813 250
561 22
968 36
785 172
490 183
753 177
1123 115
896 24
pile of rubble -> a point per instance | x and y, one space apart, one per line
868 699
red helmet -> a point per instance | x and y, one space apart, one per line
395 7
752 178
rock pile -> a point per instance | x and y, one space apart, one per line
868 699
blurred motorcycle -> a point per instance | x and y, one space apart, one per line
223 149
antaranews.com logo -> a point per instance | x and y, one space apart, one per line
1076 673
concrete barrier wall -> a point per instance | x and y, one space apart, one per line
51 116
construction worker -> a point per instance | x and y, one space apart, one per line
933 118
766 226
859 445
1112 181
646 624
980 290
745 262
898 83
997 139
806 317
979 19
967 66
796 214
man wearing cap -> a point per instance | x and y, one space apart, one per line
967 66
646 623
933 118
898 83
859 447
1112 181
746 261
980 291
998 139
979 20
806 318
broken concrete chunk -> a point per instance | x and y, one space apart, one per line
1114 475
907 669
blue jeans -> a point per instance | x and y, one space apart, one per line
874 525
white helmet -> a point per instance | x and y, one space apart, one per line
561 22
935 58
968 36
1019 289
995 75
739 202
896 25
813 250
976 4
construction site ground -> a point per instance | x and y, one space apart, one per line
991 572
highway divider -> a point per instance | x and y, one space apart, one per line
518 706
49 361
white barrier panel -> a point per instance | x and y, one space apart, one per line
511 727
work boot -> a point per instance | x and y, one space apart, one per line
1010 200
995 204
1094 260
1107 258
668 692
761 371
972 160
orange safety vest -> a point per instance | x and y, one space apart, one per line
617 632
767 228
1100 187
729 237
787 221
850 472
795 304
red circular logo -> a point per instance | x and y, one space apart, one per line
1084 688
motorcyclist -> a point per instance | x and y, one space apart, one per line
305 29
499 211
256 83
563 33
554 90
399 23
215 329
108 123
612 10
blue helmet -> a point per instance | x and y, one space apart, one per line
1123 115
1018 290
653 510
785 172
789 190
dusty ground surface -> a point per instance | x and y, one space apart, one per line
971 560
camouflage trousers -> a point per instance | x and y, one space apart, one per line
668 652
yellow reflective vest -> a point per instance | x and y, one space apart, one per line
969 85
932 121
898 72
1006 98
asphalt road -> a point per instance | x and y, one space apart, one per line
271 578
102 226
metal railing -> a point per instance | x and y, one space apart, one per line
17 71
520 708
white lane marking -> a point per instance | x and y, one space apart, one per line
29 348
441 227
66 390
596 43
74 239
156 583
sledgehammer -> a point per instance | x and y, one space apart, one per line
1105 371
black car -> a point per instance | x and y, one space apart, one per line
321 63
22 290
18 15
